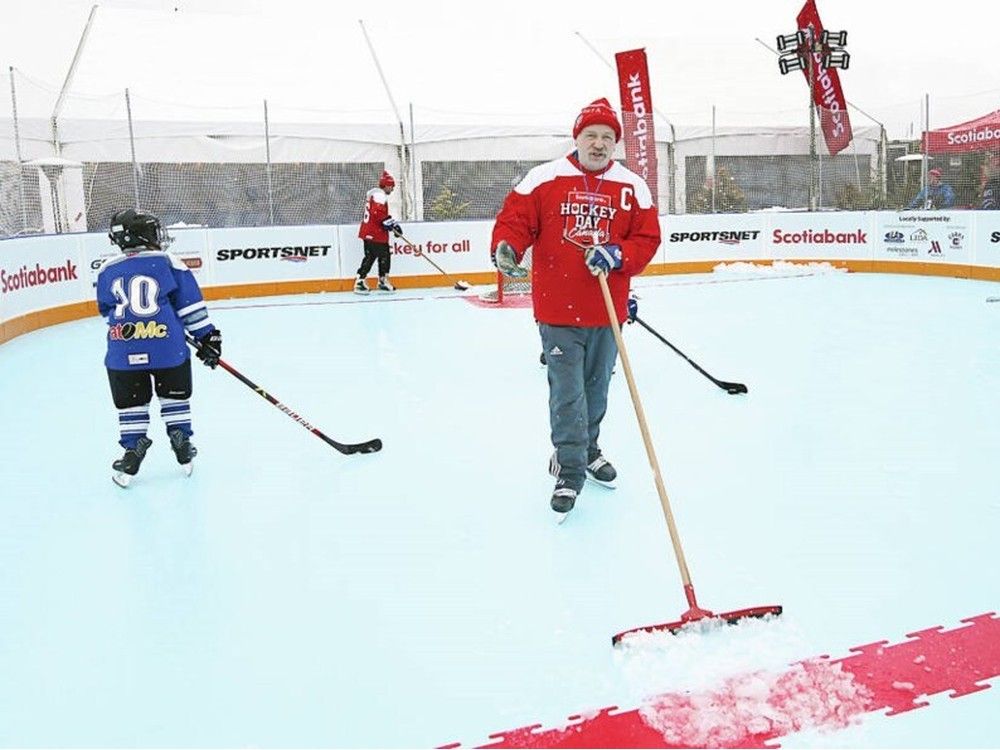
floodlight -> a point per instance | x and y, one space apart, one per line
788 63
789 42
837 58
834 38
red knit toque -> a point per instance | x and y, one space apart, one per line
598 112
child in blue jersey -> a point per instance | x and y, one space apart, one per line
150 300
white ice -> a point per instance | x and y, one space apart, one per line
286 595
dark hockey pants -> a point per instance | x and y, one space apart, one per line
580 361
373 251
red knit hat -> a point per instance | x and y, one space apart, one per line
386 180
598 112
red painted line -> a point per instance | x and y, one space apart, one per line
751 710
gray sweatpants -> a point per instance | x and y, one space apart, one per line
579 362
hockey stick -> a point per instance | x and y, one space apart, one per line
460 285
369 446
732 388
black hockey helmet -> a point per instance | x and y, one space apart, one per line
131 229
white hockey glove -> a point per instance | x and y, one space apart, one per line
505 259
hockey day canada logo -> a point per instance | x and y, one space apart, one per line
588 217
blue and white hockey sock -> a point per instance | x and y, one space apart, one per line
176 412
132 425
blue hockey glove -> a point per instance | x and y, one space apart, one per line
210 348
603 258
633 308
505 259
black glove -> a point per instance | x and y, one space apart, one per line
210 348
397 230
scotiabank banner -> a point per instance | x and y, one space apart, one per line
827 92
637 117
981 134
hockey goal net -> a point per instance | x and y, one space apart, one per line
512 292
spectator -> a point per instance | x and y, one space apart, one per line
936 194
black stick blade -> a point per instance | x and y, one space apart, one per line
370 446
733 388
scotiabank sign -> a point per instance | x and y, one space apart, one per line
818 237
36 275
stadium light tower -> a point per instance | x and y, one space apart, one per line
800 50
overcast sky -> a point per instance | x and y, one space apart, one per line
515 60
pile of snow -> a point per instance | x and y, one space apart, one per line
719 686
777 268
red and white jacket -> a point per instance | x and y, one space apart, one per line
376 220
560 203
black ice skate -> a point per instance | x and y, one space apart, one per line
128 465
360 287
601 471
563 500
385 285
183 449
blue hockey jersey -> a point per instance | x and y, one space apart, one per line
149 298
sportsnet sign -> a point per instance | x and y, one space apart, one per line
700 237
248 255
986 247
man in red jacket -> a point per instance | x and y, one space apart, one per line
374 230
583 215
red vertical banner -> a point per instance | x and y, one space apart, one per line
826 90
637 116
